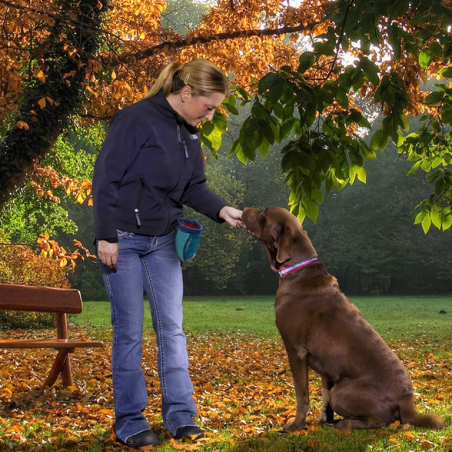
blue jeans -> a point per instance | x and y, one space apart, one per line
152 264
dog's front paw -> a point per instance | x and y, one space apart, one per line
326 418
293 426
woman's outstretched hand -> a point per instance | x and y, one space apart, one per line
232 216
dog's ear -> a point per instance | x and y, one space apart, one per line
283 239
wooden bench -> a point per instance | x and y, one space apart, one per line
14 297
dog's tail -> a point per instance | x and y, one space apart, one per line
409 415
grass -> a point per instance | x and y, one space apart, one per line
242 382
395 318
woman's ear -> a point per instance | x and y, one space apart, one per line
185 93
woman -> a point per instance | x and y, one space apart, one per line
151 164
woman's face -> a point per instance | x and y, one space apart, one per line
197 109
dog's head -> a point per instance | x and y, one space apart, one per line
281 234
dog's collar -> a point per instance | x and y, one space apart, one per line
284 271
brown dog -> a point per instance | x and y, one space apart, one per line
363 380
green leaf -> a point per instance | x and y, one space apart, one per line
289 161
425 58
259 111
342 98
395 40
446 222
414 168
426 223
351 175
379 140
287 127
436 49
420 216
324 48
215 138
361 173
406 122
278 109
311 208
230 104
263 129
371 70
263 148
436 219
317 196
310 114
220 121
307 60
446 114
241 157
267 81
240 92
446 73
434 98
358 80
236 148
276 92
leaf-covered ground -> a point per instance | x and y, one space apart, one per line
243 387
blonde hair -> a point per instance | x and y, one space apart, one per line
202 76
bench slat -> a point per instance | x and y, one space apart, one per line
48 343
18 297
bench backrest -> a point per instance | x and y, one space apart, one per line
16 297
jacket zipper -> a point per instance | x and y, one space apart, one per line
137 205
181 141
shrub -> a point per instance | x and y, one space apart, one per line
20 264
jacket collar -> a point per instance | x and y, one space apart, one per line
160 101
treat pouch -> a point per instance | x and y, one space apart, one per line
188 236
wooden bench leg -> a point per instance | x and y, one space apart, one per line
62 364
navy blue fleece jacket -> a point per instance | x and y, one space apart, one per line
150 164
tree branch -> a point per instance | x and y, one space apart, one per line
191 41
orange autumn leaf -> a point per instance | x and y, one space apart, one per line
22 125
85 410
39 75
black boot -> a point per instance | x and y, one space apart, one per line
142 439
189 432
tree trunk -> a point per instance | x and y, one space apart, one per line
48 104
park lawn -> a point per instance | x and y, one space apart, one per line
395 318
242 382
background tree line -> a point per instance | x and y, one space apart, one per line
301 103
365 233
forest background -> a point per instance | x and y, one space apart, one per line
372 236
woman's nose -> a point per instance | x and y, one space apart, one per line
209 115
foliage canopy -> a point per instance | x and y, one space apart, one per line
104 55
312 74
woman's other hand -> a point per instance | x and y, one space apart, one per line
232 216
107 253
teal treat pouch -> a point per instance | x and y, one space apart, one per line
188 236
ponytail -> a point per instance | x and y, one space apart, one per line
202 76
165 80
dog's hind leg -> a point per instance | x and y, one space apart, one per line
358 402
326 415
